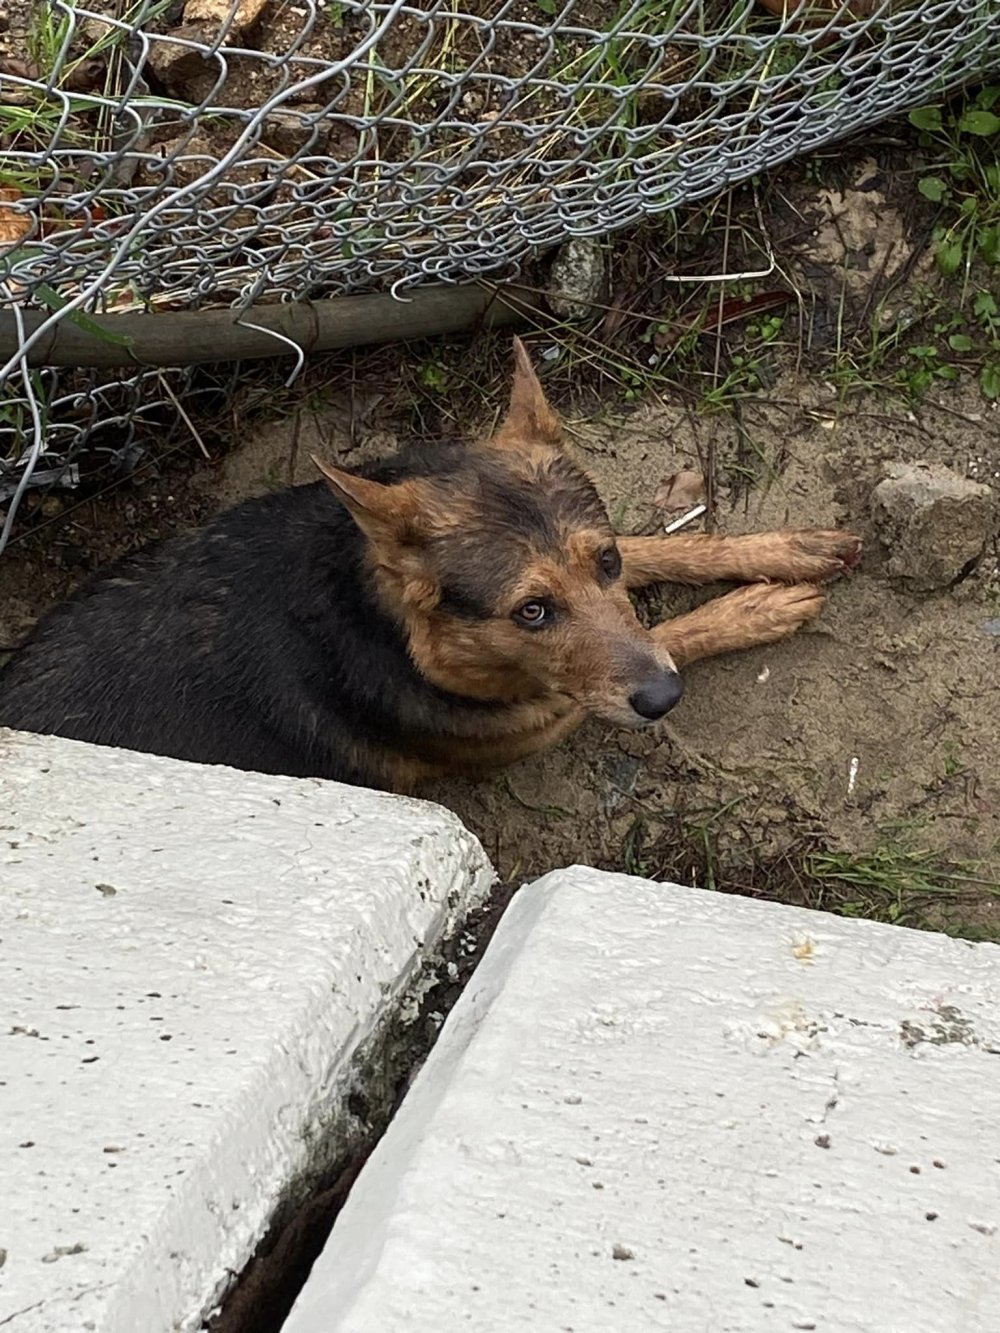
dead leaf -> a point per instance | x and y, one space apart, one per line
14 226
680 491
615 315
217 11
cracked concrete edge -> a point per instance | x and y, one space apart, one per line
659 1107
194 960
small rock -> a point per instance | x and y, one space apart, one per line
177 66
933 523
621 1252
289 131
992 627
217 11
187 159
577 278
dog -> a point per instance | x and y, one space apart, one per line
447 611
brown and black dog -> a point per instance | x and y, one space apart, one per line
450 610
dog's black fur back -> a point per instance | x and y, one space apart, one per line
256 642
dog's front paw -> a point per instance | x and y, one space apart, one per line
819 554
777 610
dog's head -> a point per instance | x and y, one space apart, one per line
504 573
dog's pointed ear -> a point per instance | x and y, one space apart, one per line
380 511
530 420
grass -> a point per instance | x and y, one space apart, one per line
898 881
84 74
964 183
950 328
649 339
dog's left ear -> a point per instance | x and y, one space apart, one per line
529 420
381 512
392 519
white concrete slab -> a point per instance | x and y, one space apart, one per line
189 959
660 1108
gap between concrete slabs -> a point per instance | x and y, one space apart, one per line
195 967
662 1108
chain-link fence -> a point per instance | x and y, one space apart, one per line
177 154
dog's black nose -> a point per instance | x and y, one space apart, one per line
656 696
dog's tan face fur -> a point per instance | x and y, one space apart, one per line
504 572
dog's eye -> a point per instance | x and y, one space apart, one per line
533 614
611 562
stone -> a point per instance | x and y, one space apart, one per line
217 11
933 523
290 131
177 66
577 278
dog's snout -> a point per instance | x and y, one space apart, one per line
655 697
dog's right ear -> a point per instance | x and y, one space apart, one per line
530 421
381 512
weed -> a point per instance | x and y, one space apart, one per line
434 376
898 881
633 861
969 187
54 40
964 182
953 763
80 69
923 365
895 882
964 929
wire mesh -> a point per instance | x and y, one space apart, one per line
175 154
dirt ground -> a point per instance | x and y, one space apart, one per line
749 787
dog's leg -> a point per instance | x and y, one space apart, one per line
745 618
795 556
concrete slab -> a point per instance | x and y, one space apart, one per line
189 959
661 1108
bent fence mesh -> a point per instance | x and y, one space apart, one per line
165 155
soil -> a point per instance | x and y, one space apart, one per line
874 734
